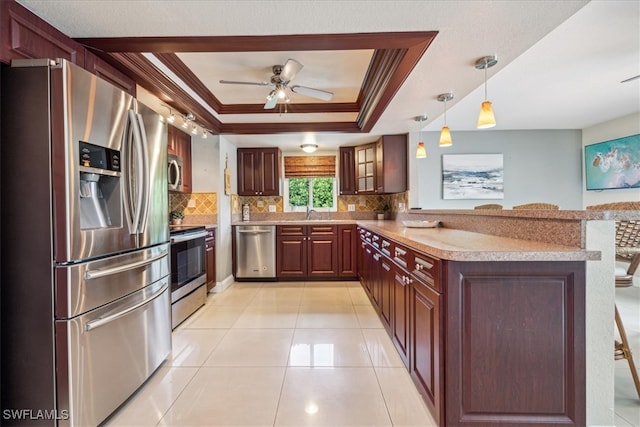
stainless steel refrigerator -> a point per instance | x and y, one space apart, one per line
85 245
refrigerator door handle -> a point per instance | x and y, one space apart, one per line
137 184
127 148
96 274
144 162
93 324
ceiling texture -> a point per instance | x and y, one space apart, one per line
560 63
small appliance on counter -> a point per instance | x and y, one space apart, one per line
246 212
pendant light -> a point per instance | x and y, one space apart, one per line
445 135
421 151
486 119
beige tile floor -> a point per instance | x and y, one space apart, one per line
280 354
304 353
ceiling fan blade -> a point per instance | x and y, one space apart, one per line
290 69
233 82
272 100
314 93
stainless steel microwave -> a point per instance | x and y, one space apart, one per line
175 173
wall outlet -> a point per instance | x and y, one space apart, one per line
272 208
401 207
191 203
260 204
351 207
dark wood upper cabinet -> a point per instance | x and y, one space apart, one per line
380 167
259 171
105 71
23 35
365 164
347 174
391 164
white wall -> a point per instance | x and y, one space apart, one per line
618 128
223 241
539 166
205 165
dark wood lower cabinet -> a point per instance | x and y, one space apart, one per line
486 343
515 351
385 290
401 299
306 252
347 250
210 243
426 345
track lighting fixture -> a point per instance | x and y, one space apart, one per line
445 135
421 151
486 119
188 122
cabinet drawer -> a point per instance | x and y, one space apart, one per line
291 230
386 246
403 257
211 234
427 269
323 230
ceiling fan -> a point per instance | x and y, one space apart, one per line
282 76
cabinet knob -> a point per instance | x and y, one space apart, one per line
419 267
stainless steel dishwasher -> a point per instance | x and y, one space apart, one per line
255 252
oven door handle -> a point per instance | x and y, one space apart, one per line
190 236
110 318
96 274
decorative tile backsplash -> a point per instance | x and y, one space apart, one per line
368 203
205 203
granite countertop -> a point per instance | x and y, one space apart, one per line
295 222
459 245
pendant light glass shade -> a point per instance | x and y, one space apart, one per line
445 134
445 137
421 151
486 119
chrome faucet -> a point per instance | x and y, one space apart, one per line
309 212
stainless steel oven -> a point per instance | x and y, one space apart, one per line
188 271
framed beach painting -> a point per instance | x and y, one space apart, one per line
472 176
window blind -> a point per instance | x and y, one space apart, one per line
309 166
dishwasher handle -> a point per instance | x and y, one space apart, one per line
255 231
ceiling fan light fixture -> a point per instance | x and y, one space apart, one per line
309 148
486 118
